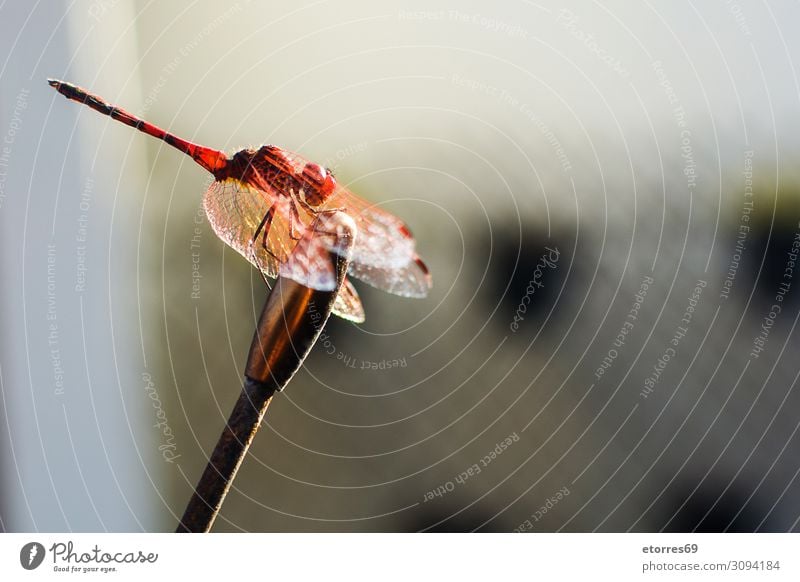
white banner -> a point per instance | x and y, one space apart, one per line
763 557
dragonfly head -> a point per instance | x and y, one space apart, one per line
320 184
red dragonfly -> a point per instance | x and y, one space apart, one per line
263 200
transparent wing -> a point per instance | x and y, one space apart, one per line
383 239
384 254
310 262
348 305
235 212
411 280
263 228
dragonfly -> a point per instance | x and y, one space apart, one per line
264 200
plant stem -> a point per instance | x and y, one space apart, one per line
290 322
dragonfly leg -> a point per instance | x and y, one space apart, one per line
257 262
264 227
316 213
295 216
313 211
306 206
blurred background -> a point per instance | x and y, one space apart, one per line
606 196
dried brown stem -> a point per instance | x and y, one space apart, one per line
291 320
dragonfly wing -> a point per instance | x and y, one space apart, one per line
265 228
310 262
383 255
411 280
259 226
383 239
347 304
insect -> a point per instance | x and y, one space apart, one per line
263 201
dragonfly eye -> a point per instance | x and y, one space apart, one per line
321 183
315 173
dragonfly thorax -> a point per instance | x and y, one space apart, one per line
275 170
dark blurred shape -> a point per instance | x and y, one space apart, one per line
469 520
771 238
531 268
731 512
